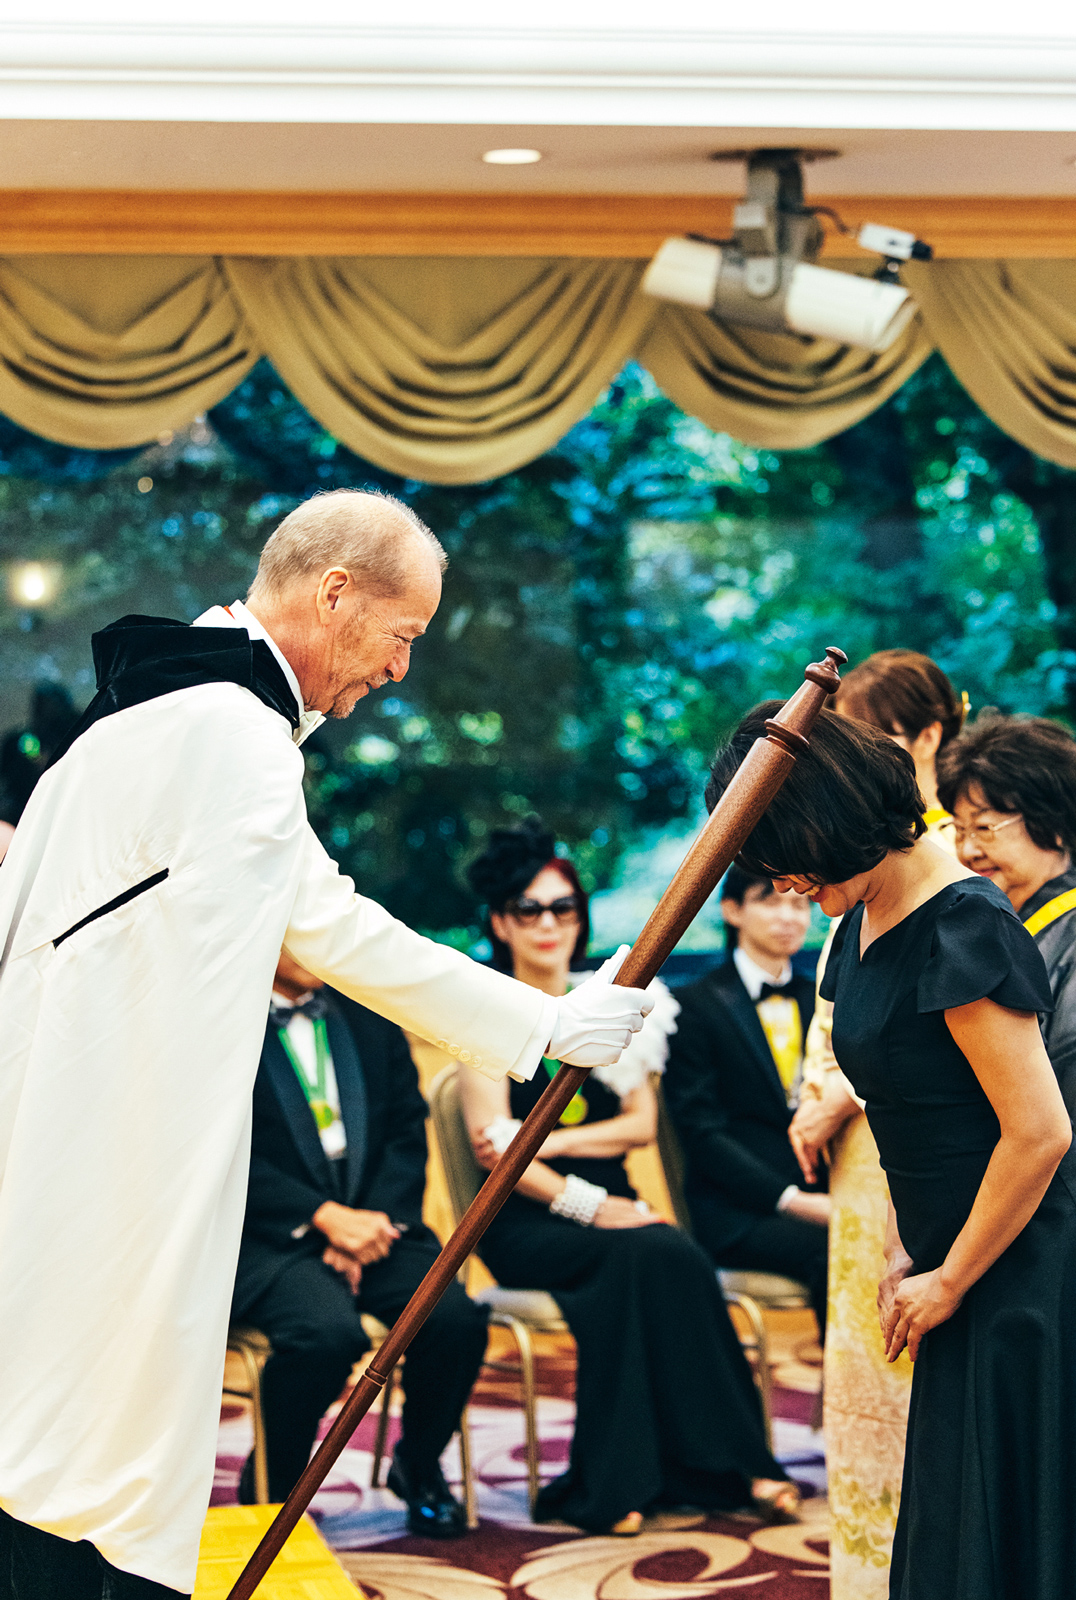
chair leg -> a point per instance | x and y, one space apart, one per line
381 1437
261 1454
763 1376
470 1500
525 1345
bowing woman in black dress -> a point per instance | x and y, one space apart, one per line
936 985
666 1409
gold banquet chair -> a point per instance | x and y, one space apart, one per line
377 1332
253 1350
752 1292
523 1312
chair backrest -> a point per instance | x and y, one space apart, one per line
672 1159
463 1175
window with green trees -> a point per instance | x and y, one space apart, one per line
609 612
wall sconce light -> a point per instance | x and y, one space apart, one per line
33 584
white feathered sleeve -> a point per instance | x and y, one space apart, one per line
649 1048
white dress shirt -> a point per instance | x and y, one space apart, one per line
300 1031
753 977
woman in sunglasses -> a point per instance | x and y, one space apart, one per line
1011 785
666 1410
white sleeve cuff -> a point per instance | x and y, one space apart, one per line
787 1196
526 1063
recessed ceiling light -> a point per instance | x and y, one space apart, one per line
511 158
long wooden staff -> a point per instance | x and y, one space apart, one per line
761 774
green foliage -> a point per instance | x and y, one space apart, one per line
609 611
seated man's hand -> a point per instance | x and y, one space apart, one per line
365 1235
346 1265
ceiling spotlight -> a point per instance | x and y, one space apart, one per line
763 276
33 583
512 158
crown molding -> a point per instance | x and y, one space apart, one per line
136 222
540 76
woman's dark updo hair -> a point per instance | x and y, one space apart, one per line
1024 764
512 859
848 800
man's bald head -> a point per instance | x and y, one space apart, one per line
344 587
376 537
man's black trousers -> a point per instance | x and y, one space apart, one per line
312 1320
39 1566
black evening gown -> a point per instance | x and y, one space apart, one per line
666 1409
988 1504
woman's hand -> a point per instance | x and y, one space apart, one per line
897 1267
616 1212
918 1304
816 1120
485 1152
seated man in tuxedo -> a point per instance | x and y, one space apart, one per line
732 1085
334 1228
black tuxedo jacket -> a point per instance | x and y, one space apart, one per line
384 1116
728 1106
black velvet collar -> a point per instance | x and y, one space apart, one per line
141 658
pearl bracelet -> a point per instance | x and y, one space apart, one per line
579 1200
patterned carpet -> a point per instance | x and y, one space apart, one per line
678 1555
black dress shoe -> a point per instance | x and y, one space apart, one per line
432 1510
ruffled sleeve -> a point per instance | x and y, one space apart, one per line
981 950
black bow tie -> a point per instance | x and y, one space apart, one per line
314 1007
773 988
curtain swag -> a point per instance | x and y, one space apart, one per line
451 370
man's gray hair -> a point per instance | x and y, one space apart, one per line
360 529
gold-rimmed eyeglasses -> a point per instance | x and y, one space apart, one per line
982 832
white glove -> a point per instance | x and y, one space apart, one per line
596 1021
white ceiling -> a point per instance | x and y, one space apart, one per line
629 160
931 97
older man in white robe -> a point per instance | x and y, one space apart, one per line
161 864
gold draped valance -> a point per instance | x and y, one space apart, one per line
456 370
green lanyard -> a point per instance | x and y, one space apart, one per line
576 1109
317 1098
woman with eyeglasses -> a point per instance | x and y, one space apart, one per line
908 697
936 989
1011 785
666 1408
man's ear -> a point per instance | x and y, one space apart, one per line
499 924
334 586
732 913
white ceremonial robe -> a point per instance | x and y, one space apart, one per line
128 1059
